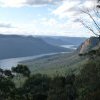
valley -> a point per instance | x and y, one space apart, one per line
42 54
62 63
49 49
12 62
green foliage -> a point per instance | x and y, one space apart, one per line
38 87
6 89
82 86
8 73
21 69
62 88
88 82
61 63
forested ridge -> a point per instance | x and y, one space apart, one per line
83 86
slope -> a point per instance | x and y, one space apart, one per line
12 46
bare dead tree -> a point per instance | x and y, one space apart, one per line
88 27
95 22
94 15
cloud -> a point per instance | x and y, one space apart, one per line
61 21
21 3
12 3
16 30
53 26
69 8
7 28
45 26
4 25
41 2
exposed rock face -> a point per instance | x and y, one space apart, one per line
88 45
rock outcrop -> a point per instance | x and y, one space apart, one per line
88 45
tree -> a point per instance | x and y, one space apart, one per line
1 72
94 24
8 73
36 87
62 88
6 88
98 5
88 81
21 69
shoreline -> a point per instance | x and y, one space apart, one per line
12 62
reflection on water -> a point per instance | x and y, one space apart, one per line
69 46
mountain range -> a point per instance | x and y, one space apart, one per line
63 62
12 46
63 40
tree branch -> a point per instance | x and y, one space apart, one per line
96 24
88 27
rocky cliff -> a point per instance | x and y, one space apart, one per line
88 45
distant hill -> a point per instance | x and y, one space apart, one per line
63 40
63 63
20 46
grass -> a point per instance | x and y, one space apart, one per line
60 63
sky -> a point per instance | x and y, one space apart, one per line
44 17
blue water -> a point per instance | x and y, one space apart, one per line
74 47
12 62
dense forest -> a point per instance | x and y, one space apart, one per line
19 84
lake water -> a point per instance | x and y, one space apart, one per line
12 62
69 46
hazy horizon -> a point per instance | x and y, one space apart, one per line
45 35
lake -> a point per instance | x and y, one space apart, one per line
74 47
12 62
